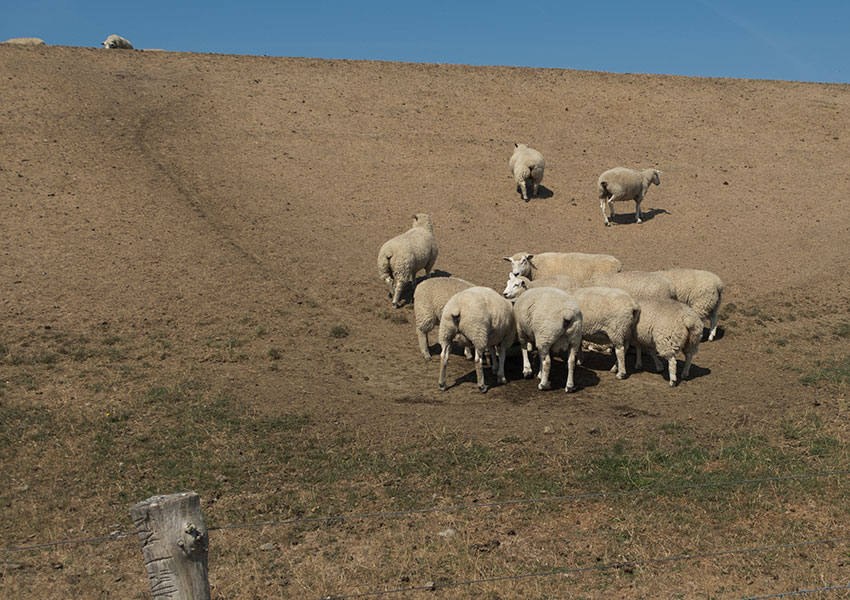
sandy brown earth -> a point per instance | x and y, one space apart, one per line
196 197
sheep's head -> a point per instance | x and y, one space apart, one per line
423 220
520 263
655 177
516 285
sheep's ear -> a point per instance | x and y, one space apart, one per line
530 256
516 145
507 258
415 217
523 284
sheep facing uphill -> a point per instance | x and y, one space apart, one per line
429 300
638 284
405 255
620 184
527 166
664 328
608 315
485 320
577 265
117 42
551 320
701 290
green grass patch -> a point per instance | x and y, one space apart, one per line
832 372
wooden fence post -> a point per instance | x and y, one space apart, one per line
174 542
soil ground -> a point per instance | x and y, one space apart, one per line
219 218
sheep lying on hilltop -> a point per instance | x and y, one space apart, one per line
527 166
664 328
25 41
405 255
639 284
701 290
429 300
577 265
608 315
116 41
486 320
620 184
550 319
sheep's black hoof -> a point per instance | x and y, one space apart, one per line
482 389
443 387
528 374
570 390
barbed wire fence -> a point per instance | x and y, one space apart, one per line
517 502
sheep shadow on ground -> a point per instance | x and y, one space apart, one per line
543 193
628 218
718 335
695 373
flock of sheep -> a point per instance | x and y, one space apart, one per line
554 301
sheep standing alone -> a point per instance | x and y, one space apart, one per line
429 300
116 41
701 290
620 184
405 255
664 328
608 315
485 320
578 265
527 166
638 284
551 320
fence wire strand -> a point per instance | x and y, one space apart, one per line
831 588
458 507
616 565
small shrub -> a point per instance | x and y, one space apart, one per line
275 354
842 330
339 331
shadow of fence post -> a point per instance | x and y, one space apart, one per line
174 541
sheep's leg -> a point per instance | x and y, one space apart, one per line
545 365
444 357
527 371
638 360
468 353
535 188
494 352
571 369
399 285
523 190
713 324
671 369
602 204
479 368
503 354
637 208
686 369
423 343
620 366
655 360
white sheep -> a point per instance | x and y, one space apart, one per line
526 166
620 184
485 320
25 41
429 300
701 290
664 328
405 255
551 320
639 284
578 265
608 316
116 41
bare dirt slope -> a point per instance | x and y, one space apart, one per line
197 197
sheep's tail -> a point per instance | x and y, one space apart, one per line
603 190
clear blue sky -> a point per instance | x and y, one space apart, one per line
802 41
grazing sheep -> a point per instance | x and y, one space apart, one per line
620 184
664 328
701 290
25 41
577 265
550 319
527 165
639 284
485 320
429 300
405 255
116 41
608 315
